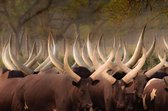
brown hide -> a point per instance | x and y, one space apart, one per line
48 91
7 91
155 96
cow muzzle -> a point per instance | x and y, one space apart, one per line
87 107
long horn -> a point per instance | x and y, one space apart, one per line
21 67
96 62
85 57
43 64
129 76
125 53
31 54
6 60
120 64
103 67
101 54
34 60
108 77
137 51
53 59
150 72
161 59
67 67
76 55
165 43
151 49
89 48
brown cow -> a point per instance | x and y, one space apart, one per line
7 91
48 91
155 95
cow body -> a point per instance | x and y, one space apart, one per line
45 92
155 95
7 90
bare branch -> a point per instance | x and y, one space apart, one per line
35 9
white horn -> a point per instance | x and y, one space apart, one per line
125 53
31 54
21 67
76 55
132 74
6 60
103 67
137 51
53 59
85 57
151 49
89 48
67 67
161 59
165 43
156 68
120 64
101 54
34 60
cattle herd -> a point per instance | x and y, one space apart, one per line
97 81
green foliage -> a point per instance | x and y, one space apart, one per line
151 61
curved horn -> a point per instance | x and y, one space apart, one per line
134 71
21 67
31 54
76 55
34 60
96 62
67 67
109 78
151 49
161 59
53 59
150 72
89 48
46 61
103 67
6 60
125 52
165 43
120 64
101 54
137 51
85 56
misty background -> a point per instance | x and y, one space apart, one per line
31 21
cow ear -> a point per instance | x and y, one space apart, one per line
75 83
94 82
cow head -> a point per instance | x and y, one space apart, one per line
81 84
139 83
119 86
81 92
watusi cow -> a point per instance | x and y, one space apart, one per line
155 95
58 91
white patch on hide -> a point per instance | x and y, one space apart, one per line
144 103
25 106
153 94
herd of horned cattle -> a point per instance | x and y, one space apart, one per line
94 82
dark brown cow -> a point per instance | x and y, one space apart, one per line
45 92
155 95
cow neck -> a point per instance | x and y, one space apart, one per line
166 82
